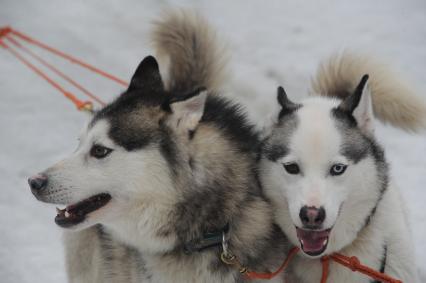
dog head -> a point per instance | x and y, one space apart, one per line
121 174
322 169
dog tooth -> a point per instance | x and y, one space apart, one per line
67 214
325 242
58 210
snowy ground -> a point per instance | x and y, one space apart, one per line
280 42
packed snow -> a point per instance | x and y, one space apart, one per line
271 43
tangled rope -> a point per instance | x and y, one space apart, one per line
8 40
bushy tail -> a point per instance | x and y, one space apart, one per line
394 101
190 47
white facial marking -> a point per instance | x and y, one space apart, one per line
315 146
138 181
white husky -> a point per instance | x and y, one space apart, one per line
328 177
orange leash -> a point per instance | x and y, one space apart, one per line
66 56
55 70
352 263
325 260
255 275
7 33
81 105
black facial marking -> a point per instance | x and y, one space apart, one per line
129 117
275 146
129 137
274 152
356 145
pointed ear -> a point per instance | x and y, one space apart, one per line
187 111
147 76
287 106
360 106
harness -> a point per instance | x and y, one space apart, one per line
221 238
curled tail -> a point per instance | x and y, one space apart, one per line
189 45
394 101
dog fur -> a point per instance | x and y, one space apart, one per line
178 161
362 206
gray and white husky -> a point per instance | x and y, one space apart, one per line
327 176
165 176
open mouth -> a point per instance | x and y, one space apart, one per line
76 213
313 242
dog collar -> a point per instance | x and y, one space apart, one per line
209 240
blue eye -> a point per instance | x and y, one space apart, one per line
292 168
338 169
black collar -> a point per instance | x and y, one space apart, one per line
209 240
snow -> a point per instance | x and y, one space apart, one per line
273 42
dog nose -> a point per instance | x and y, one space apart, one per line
37 182
312 217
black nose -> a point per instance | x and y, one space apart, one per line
37 182
312 217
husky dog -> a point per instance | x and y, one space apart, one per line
165 176
327 176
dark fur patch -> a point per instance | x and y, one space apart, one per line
274 152
126 117
275 146
220 199
232 121
357 146
383 262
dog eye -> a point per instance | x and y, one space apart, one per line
292 168
99 151
338 169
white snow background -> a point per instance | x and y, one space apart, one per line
271 43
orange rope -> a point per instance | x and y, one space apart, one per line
325 260
66 56
355 265
352 263
80 104
8 33
255 275
55 70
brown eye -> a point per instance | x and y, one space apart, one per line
338 169
99 151
292 168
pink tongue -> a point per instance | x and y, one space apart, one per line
312 240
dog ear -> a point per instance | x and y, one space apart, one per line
360 106
188 110
287 106
147 77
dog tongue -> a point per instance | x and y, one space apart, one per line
312 240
